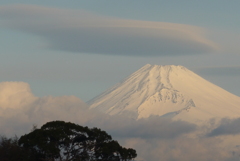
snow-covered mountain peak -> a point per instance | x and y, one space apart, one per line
162 68
168 90
166 67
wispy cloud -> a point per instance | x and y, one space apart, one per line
84 32
220 70
226 127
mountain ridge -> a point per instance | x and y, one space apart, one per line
168 90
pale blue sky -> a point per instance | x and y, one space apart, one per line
34 50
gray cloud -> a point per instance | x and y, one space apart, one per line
153 127
83 32
184 148
220 71
226 127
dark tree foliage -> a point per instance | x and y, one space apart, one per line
10 151
65 141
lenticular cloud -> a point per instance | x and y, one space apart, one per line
93 34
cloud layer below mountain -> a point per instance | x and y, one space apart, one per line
153 138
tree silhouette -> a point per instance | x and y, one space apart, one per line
65 141
10 151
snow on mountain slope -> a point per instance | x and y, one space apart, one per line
167 91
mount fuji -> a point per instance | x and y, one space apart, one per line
167 91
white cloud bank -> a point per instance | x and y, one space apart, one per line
84 32
20 109
154 138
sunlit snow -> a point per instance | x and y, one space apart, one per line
167 91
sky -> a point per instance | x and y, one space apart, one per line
56 55
82 48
